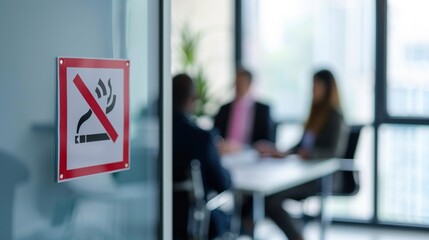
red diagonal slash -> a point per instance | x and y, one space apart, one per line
95 107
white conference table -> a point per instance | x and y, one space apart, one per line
261 177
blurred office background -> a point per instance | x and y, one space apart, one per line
379 51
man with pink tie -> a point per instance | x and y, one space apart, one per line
243 121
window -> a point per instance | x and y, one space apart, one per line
403 179
408 59
402 153
285 41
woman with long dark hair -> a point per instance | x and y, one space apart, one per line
325 125
324 137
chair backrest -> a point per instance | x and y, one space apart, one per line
198 215
273 135
349 179
198 223
197 183
200 209
352 141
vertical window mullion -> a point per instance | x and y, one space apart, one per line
380 114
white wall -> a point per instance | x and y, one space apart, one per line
214 19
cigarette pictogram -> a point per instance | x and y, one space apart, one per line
95 108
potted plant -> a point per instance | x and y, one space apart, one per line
189 43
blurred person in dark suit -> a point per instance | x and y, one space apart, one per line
325 136
189 143
244 121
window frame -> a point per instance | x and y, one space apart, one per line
381 115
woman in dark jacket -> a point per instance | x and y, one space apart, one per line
324 137
325 127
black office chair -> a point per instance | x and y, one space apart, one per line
200 210
349 179
199 215
353 141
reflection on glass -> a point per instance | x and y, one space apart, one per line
286 40
408 58
122 205
403 178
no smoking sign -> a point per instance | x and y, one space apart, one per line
93 117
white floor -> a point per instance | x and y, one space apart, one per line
267 230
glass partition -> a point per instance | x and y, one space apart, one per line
122 205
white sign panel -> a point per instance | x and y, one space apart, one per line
93 117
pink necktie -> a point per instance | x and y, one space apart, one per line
237 122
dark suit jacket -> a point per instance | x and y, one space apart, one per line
262 124
189 143
332 139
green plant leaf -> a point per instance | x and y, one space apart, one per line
188 47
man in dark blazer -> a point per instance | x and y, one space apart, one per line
244 121
189 143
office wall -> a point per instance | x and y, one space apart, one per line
215 21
